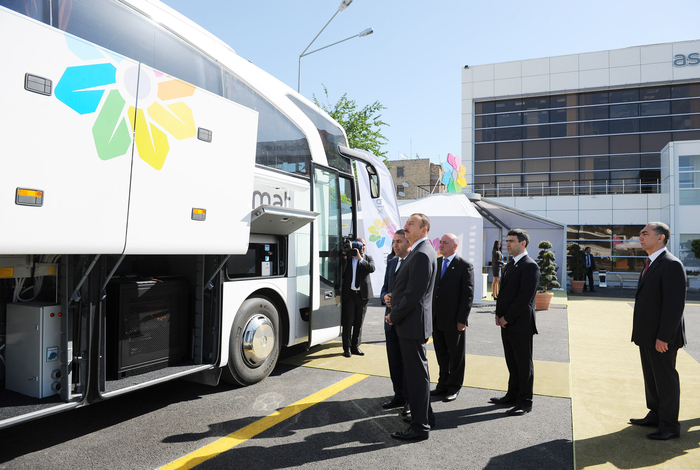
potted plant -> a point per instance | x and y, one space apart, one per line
548 276
577 267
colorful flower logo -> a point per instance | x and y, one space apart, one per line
435 243
381 230
120 91
453 174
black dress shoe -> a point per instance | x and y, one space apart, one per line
357 352
409 435
406 410
506 400
644 422
451 396
346 353
593 290
437 392
662 435
393 403
519 410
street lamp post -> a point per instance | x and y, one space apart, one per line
343 5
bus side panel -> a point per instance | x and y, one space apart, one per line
70 146
193 170
236 292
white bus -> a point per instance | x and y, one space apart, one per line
168 209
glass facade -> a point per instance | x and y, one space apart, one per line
689 180
615 247
581 143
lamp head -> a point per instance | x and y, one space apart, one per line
366 32
344 4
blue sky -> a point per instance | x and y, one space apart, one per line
412 63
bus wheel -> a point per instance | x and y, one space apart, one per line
254 344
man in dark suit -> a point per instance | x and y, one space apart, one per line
393 351
356 292
515 314
453 295
590 268
659 330
410 313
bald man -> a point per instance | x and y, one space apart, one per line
453 295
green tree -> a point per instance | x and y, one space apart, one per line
363 126
695 246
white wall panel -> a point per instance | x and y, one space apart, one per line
657 72
594 78
630 217
508 86
629 201
625 75
535 67
588 217
624 57
563 81
507 70
482 73
657 53
564 63
593 60
483 89
536 84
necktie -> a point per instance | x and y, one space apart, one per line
445 263
398 265
508 266
588 260
646 266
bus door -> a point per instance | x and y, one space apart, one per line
324 321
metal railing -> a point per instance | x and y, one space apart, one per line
566 188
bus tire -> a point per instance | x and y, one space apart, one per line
254 344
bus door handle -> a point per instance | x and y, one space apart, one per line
328 295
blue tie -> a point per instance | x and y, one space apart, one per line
445 262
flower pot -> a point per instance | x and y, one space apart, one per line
542 300
577 286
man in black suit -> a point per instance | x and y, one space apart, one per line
410 313
515 314
453 295
356 292
590 268
659 330
393 351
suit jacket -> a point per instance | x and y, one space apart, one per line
593 266
659 304
453 294
388 286
364 268
516 296
413 293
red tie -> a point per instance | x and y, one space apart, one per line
646 266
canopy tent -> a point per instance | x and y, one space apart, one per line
499 218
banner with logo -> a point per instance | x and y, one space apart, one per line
380 217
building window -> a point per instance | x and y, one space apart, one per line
611 130
689 180
400 172
685 253
615 247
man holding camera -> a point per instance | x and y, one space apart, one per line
356 292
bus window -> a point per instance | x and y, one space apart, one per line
37 9
331 136
346 205
281 144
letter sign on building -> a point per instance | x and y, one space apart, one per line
680 60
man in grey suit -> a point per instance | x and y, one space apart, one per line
659 331
410 313
453 295
393 351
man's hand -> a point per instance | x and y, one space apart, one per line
502 322
661 346
461 326
387 300
497 319
388 319
358 257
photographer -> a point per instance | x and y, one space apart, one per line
356 292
